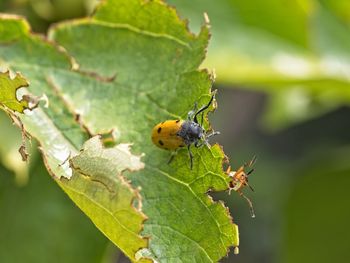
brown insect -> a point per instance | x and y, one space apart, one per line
240 180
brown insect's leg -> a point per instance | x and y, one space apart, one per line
251 188
229 191
249 203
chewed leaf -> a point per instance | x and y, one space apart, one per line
9 156
185 214
157 79
99 189
94 159
11 104
8 89
156 60
61 135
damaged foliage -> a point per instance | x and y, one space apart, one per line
8 89
11 104
98 188
154 61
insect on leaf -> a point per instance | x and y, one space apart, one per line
155 62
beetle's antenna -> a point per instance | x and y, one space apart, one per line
202 119
192 112
203 108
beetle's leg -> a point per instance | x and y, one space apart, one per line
173 154
200 144
190 154
207 136
191 113
204 107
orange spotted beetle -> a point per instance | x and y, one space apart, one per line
240 180
174 134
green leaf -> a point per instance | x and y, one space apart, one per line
8 88
155 61
9 103
56 128
147 92
99 189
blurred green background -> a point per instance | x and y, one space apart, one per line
283 75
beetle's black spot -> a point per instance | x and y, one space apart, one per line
182 145
159 129
160 142
177 121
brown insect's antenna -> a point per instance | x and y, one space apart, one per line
246 180
251 162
